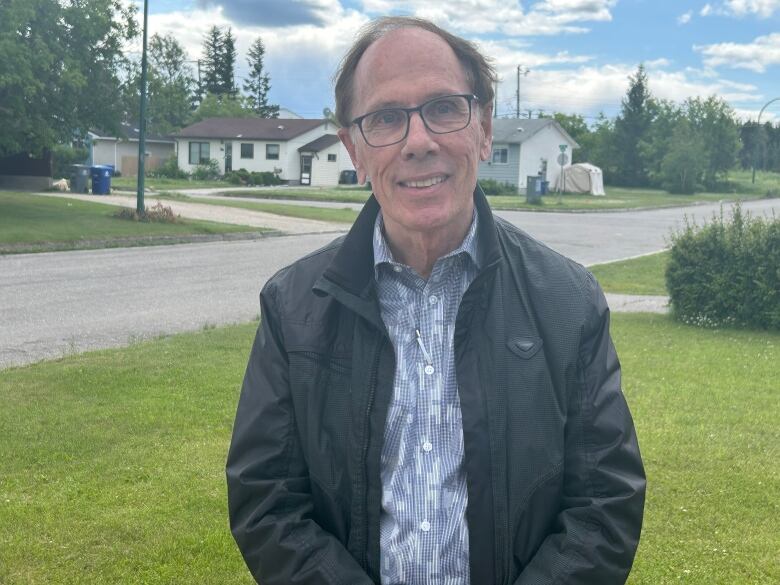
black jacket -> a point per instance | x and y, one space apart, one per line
554 476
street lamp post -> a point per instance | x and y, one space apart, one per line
139 205
758 129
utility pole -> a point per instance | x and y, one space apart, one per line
759 130
139 205
524 71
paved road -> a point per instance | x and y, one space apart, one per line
52 304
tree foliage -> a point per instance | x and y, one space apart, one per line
59 65
630 127
219 63
221 106
258 84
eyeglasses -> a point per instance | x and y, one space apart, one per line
440 115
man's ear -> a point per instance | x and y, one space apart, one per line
486 124
346 138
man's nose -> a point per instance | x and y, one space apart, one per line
419 141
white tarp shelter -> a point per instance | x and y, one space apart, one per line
581 178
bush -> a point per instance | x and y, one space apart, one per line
493 187
63 156
726 273
206 172
157 213
264 178
169 170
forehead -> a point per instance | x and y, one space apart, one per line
406 66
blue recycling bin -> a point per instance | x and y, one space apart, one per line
101 179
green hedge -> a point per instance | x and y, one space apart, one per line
727 272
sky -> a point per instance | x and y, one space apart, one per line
575 55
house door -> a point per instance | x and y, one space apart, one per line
228 157
306 169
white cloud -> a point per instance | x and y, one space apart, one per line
546 17
740 8
685 18
757 56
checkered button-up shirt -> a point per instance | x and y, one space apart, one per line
423 531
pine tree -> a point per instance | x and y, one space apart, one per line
212 51
227 64
630 128
259 83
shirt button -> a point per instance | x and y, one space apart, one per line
397 268
425 526
410 418
429 370
433 299
427 447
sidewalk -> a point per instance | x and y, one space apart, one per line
637 303
206 212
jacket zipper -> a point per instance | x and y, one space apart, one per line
372 380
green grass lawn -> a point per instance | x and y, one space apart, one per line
111 463
344 215
27 221
130 183
638 276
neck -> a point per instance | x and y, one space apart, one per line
421 249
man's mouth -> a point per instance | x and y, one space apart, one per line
421 184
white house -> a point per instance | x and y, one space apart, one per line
121 152
523 147
299 151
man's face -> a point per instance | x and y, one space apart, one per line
424 183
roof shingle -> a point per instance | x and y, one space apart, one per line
249 128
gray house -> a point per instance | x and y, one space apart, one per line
122 151
523 147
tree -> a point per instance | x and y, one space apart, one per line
683 165
599 145
221 106
212 51
226 73
259 83
577 128
171 85
654 146
59 70
713 121
630 127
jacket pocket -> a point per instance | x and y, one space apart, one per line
321 388
524 347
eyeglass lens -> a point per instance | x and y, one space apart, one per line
442 115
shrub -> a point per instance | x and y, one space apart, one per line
63 156
206 172
264 178
726 273
157 213
493 187
169 170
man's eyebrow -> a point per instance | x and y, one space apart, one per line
396 104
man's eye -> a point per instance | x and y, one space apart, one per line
384 118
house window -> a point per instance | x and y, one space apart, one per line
272 152
247 150
500 155
199 153
331 158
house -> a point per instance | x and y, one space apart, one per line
299 151
523 147
121 152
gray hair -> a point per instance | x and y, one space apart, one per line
479 72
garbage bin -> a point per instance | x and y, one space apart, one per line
101 180
545 187
533 189
79 178
348 177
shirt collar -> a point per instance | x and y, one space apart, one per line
383 254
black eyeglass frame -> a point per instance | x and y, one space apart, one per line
470 97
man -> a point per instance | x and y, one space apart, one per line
433 398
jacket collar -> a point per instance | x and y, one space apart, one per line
352 268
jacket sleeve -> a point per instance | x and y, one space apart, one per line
597 530
269 497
